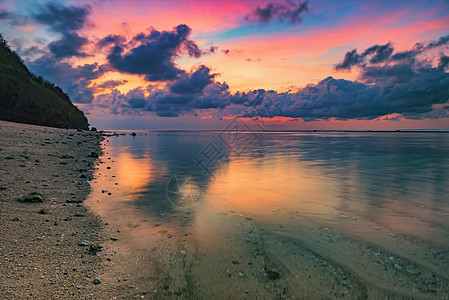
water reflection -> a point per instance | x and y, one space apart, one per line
394 179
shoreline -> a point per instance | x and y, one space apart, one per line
195 252
42 252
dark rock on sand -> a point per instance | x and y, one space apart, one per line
32 197
272 275
96 281
93 249
44 211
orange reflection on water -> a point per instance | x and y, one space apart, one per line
258 187
134 173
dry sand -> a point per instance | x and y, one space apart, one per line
40 256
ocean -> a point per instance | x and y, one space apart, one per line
302 214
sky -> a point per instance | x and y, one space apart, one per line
272 65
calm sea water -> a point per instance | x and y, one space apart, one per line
397 179
322 206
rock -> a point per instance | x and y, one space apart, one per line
66 156
16 219
44 211
74 201
26 155
272 275
83 176
93 129
93 249
83 244
133 134
234 261
96 281
2 188
9 157
93 154
114 239
32 197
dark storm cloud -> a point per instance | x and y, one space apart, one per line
63 19
68 46
289 10
444 40
175 99
444 62
351 58
153 54
66 20
380 53
112 39
193 83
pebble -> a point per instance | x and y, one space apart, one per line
96 281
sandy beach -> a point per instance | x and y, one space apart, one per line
45 247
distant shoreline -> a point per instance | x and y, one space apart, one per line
274 131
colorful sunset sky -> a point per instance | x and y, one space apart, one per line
279 64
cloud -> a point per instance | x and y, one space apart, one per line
75 81
153 54
112 39
193 83
67 20
12 18
68 46
384 53
374 54
109 84
63 18
289 10
385 86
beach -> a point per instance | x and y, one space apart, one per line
44 246
100 232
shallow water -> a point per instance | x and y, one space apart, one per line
313 193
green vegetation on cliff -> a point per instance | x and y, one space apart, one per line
27 98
